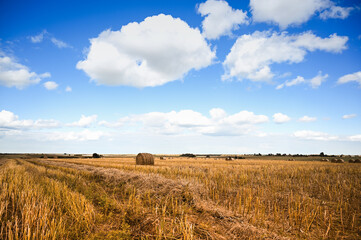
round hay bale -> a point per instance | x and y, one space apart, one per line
144 159
229 159
162 158
357 161
340 161
334 160
351 161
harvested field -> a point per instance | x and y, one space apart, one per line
181 198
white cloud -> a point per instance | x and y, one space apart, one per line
50 85
158 50
10 120
46 35
251 55
313 135
353 77
296 81
13 74
245 117
314 82
286 12
85 135
355 138
295 12
307 119
191 122
348 116
280 118
336 12
317 81
220 18
119 123
68 89
59 43
38 38
84 121
217 113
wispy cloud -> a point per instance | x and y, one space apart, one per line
38 38
314 82
307 119
348 116
353 77
45 35
191 122
59 43
355 138
314 135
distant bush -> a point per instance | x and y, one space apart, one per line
96 155
191 155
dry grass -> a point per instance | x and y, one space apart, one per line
33 206
189 198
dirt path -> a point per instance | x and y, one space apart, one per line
225 224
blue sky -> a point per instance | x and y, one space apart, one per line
180 76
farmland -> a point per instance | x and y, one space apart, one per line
179 198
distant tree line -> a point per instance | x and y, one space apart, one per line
191 155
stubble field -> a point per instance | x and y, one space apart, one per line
179 198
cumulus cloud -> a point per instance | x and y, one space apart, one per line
353 77
188 121
294 12
84 121
252 54
348 116
314 135
13 74
220 19
9 120
217 113
50 85
68 89
156 51
307 119
280 118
